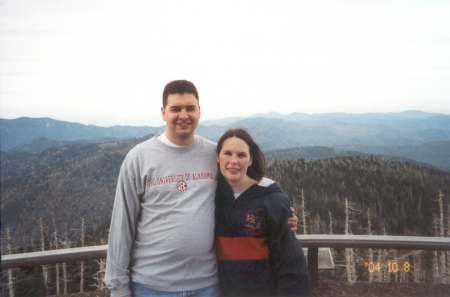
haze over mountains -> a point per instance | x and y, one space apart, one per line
419 136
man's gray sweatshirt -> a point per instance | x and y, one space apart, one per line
162 226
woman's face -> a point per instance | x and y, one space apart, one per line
234 159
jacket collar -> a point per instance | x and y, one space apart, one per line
265 186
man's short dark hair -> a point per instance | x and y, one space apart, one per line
179 87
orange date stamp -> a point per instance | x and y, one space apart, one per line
392 266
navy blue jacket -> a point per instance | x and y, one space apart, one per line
258 254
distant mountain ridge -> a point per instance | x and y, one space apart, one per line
41 144
433 154
24 130
272 131
436 153
405 127
422 119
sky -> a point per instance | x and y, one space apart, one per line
106 62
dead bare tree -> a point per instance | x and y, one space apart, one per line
395 258
66 245
349 262
304 213
442 272
101 272
44 267
416 255
10 271
331 222
57 264
417 268
448 235
369 229
386 276
435 257
380 275
333 251
352 264
82 262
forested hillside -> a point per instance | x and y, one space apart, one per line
308 153
69 182
400 197
78 181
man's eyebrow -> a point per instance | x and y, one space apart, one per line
189 106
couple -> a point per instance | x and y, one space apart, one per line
169 237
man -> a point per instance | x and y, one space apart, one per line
162 227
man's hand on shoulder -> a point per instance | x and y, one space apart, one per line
293 221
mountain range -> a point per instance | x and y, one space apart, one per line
415 135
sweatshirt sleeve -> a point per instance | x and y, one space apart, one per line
288 262
121 234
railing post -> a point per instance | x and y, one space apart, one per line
313 265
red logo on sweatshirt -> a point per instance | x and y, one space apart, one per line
254 219
181 186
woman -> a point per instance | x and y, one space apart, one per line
258 255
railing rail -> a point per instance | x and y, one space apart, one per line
312 242
376 242
54 256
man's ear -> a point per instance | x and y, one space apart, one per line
163 113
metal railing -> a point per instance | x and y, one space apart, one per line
312 242
376 242
54 256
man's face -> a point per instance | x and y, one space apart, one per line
181 114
